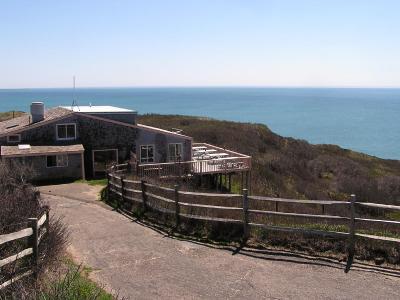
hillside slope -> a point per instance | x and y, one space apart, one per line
291 168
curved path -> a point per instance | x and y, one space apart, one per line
139 262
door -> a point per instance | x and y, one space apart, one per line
103 159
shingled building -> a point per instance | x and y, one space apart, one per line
78 142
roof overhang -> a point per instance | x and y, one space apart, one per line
15 151
94 116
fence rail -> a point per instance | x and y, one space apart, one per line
36 230
276 214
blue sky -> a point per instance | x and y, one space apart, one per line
199 43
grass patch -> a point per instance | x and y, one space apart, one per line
316 226
73 284
395 216
92 182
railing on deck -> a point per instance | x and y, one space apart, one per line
185 168
309 217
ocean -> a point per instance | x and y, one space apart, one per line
365 120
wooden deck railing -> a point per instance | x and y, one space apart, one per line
36 229
308 217
184 168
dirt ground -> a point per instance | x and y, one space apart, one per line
139 262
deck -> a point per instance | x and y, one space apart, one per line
206 159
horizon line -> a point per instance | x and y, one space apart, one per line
209 86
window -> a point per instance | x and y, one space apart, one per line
57 161
174 152
15 138
66 131
146 153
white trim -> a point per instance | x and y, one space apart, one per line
57 166
17 134
67 138
181 152
99 150
154 153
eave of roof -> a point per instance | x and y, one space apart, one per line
14 151
63 113
155 129
24 122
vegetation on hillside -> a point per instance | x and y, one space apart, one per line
292 168
4 116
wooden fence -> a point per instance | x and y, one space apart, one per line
308 217
35 231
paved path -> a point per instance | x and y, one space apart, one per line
141 263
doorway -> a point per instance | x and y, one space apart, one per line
102 160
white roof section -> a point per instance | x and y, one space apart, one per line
98 109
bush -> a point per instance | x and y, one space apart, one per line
19 200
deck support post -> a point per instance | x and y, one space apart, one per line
230 182
250 182
241 181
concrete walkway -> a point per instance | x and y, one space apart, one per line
142 263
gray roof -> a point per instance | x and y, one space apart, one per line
13 151
25 121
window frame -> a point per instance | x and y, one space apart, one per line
147 151
175 157
17 134
57 161
66 130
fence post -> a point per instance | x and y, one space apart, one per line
47 223
245 214
144 196
108 180
34 242
351 245
177 208
121 202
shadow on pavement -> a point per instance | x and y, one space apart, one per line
270 254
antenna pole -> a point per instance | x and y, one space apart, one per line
74 102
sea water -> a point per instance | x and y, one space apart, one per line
365 120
